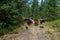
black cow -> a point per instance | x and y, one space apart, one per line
28 21
42 21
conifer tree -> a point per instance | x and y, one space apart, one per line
35 9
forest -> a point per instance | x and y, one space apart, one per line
13 13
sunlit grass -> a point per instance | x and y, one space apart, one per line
53 24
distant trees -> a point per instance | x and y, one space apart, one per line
21 5
48 10
35 9
52 7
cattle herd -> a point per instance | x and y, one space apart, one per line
30 21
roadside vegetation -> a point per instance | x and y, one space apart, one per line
54 25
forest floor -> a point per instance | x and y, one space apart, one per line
34 33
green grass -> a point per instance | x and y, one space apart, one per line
54 24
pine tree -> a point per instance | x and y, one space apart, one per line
9 15
52 10
35 9
48 10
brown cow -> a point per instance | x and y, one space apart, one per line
36 22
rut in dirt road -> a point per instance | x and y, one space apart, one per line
35 33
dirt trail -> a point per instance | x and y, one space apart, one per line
33 33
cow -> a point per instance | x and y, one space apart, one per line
28 21
42 21
36 22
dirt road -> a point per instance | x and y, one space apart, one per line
33 33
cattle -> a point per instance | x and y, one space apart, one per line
42 21
25 20
36 22
28 21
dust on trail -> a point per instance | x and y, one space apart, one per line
33 33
